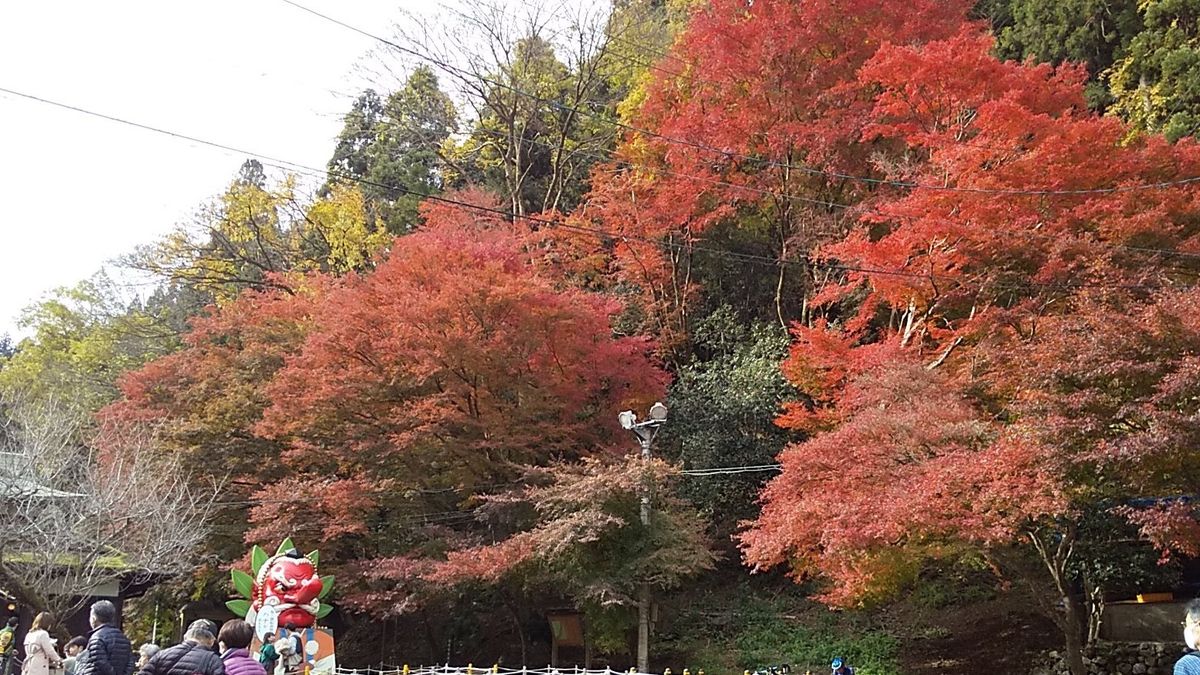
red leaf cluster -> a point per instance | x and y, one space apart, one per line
900 467
1068 381
765 90
357 413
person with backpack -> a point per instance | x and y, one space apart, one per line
267 656
290 649
1189 664
8 644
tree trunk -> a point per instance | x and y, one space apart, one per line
24 594
1095 610
514 611
430 638
1056 555
779 288
643 645
1073 622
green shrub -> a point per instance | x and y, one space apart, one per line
767 639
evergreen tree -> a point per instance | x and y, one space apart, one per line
351 158
1157 83
393 149
405 158
1093 32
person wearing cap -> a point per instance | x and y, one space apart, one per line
840 668
8 644
194 656
73 650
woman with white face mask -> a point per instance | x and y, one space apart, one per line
1190 663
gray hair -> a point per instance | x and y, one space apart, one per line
103 611
201 630
1193 613
149 649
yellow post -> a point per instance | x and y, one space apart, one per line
495 668
470 669
406 669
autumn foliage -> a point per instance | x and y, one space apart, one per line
1009 335
381 400
751 97
587 536
455 347
990 292
900 468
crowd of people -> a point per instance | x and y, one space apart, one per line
205 650
208 650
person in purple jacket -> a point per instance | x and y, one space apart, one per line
234 641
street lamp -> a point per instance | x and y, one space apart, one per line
658 412
645 432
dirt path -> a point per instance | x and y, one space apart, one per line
981 639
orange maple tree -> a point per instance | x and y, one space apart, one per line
370 413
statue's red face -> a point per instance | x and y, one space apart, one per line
291 586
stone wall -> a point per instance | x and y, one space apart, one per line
1120 658
1142 622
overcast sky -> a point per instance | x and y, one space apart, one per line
76 192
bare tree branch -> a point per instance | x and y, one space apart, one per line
79 518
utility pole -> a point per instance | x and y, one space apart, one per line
645 432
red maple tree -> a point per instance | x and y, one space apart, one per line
748 123
365 414
1009 352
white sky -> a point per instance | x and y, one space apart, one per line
76 192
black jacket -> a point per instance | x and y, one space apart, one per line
185 658
108 653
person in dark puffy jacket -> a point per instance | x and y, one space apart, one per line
234 640
108 650
193 656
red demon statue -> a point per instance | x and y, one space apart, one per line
286 592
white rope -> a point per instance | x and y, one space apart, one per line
388 669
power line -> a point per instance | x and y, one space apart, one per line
604 235
605 155
449 68
732 470
439 516
714 181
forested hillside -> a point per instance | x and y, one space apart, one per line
1142 56
916 282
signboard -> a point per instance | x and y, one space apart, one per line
567 629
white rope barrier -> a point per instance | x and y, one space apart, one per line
386 669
